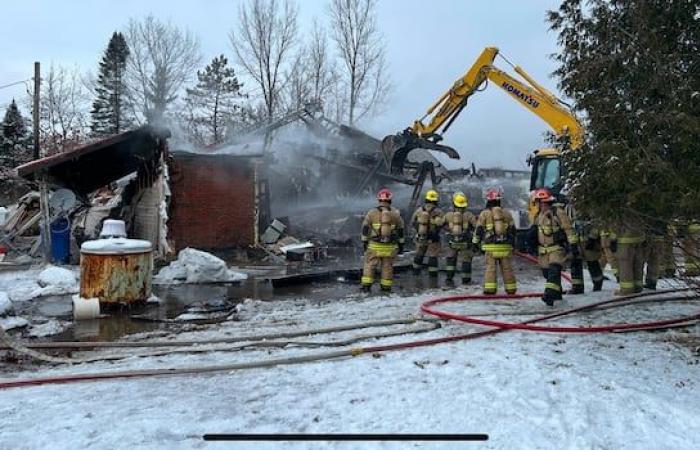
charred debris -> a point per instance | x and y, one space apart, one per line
292 191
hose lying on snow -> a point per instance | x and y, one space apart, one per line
4 384
427 308
226 340
427 326
498 327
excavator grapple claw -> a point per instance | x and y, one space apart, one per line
396 147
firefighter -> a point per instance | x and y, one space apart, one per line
382 239
630 260
427 222
592 251
555 237
495 233
459 225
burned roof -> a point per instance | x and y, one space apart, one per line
87 168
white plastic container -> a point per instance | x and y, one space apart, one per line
113 228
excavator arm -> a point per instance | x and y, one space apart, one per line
426 132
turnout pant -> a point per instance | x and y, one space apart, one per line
630 258
432 250
506 265
454 251
577 275
596 273
551 263
384 259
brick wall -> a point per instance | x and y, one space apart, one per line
213 201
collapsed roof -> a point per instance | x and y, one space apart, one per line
89 167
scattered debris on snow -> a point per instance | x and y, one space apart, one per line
196 266
49 328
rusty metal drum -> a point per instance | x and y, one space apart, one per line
116 270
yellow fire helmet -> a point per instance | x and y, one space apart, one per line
432 196
460 200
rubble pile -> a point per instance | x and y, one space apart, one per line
196 266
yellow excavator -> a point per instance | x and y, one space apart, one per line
426 132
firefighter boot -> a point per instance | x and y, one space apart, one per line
576 277
552 288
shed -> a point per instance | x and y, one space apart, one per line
214 202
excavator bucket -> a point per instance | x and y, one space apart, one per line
395 149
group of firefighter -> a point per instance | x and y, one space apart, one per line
552 237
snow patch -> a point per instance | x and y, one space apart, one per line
154 299
28 284
49 328
191 316
9 323
58 277
196 266
5 304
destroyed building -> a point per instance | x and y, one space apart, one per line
317 176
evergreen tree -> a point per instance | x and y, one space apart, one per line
633 69
111 109
212 102
15 139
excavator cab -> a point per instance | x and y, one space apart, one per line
546 172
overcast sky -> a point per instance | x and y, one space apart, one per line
429 45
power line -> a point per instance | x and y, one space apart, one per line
15 83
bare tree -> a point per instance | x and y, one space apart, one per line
362 52
263 43
64 109
312 75
163 58
321 68
297 89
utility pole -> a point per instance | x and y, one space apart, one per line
35 111
40 153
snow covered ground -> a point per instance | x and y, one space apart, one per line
526 390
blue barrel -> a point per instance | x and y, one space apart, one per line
60 240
